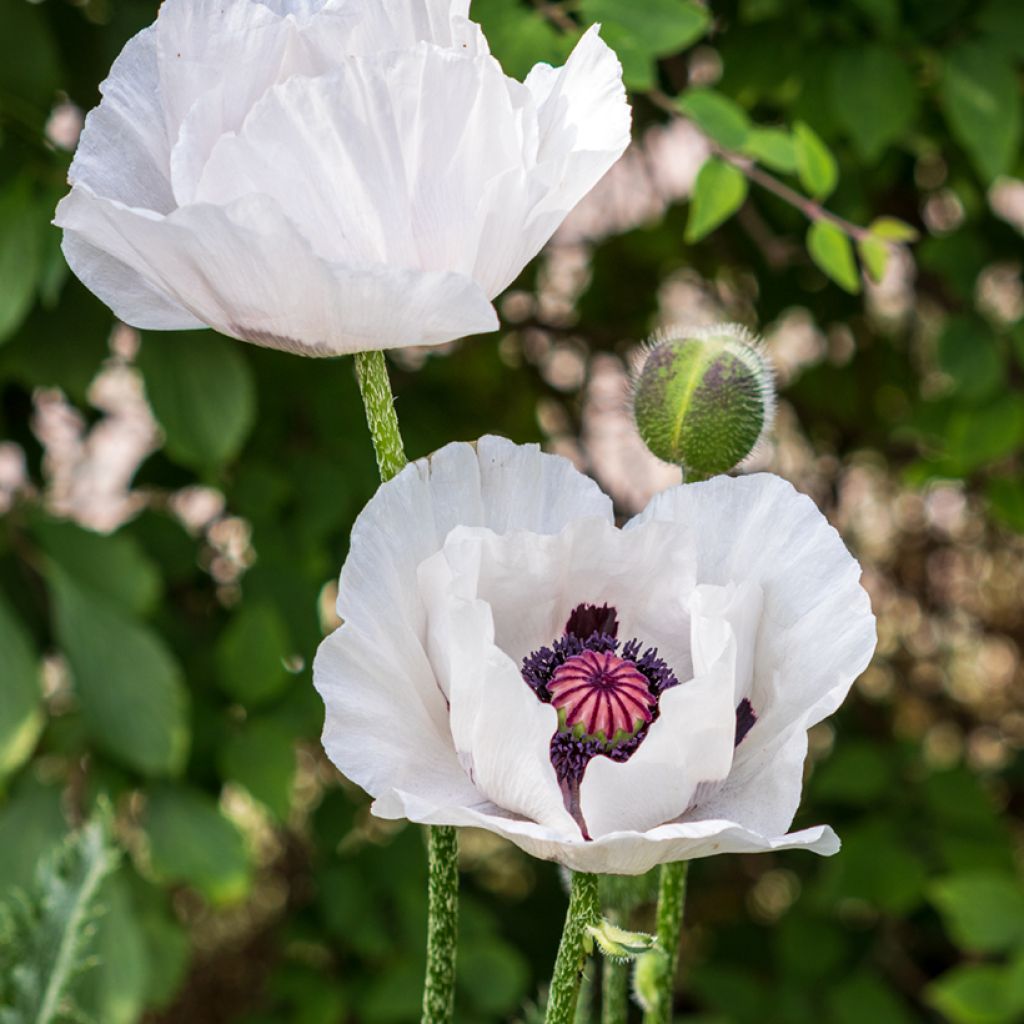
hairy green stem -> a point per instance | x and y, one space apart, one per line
443 847
442 925
379 402
584 909
671 897
614 992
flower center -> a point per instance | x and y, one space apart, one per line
600 696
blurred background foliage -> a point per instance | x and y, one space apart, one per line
174 510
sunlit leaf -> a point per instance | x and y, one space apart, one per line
719 192
832 250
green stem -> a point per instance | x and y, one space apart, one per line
671 897
572 954
443 848
442 925
379 402
614 992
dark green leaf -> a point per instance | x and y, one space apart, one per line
658 27
20 254
969 353
202 392
133 700
262 758
981 96
21 697
874 97
983 912
520 37
251 655
719 192
191 841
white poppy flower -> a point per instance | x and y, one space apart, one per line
607 698
329 176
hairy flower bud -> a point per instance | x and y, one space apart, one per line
704 398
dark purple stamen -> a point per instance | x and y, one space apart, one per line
745 720
593 628
587 619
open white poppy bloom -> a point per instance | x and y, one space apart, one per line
329 176
607 698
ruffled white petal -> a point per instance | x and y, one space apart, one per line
132 298
816 634
690 745
387 723
385 160
245 270
494 484
123 151
619 853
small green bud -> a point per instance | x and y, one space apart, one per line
704 398
647 971
618 943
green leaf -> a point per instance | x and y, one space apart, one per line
977 436
981 97
969 353
659 28
52 927
891 229
262 758
832 251
873 96
190 841
815 164
203 394
874 254
619 943
772 147
858 773
132 697
21 695
20 253
861 998
251 655
114 990
31 822
520 37
115 567
982 911
719 117
976 994
719 192
1006 499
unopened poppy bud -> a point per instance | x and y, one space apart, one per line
704 398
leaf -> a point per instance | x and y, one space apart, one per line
984 434
190 841
51 928
31 822
772 147
976 994
892 229
21 695
858 773
251 655
982 911
832 251
874 254
981 98
863 997
969 353
133 700
658 27
520 37
1006 501
20 253
815 164
721 118
619 943
262 758
115 567
873 96
719 192
203 395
